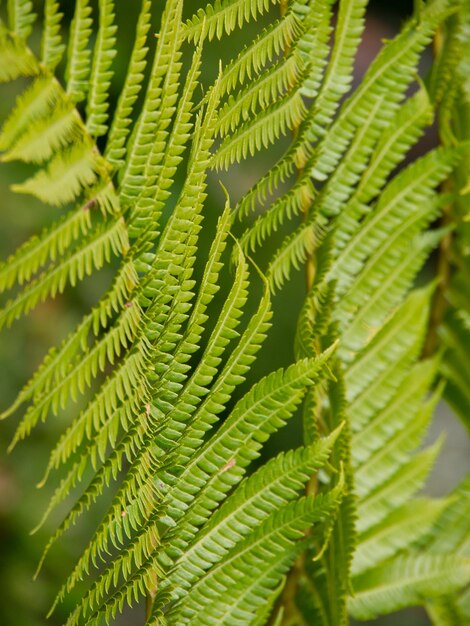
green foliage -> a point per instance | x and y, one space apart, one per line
166 432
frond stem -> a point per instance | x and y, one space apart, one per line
443 271
443 274
286 599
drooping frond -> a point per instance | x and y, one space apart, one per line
34 104
92 255
65 177
40 249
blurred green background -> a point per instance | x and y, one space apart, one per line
22 601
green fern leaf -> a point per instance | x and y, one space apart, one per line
118 134
78 53
65 178
225 15
274 537
409 523
52 48
101 73
21 17
15 59
405 581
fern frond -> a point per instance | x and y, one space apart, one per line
95 252
261 412
347 41
36 102
414 184
120 127
338 77
96 359
48 246
314 47
101 74
406 524
285 208
293 253
224 384
225 16
21 17
266 127
399 488
397 62
354 116
206 293
167 155
450 536
328 562
226 443
234 510
335 192
403 132
387 278
57 361
397 412
114 529
52 48
453 333
121 387
275 537
298 245
79 54
405 581
339 187
134 495
217 478
276 483
393 340
447 61
166 59
168 415
15 58
66 177
259 94
269 44
231 376
49 134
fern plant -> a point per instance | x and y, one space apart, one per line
168 425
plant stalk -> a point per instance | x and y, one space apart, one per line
286 600
443 270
